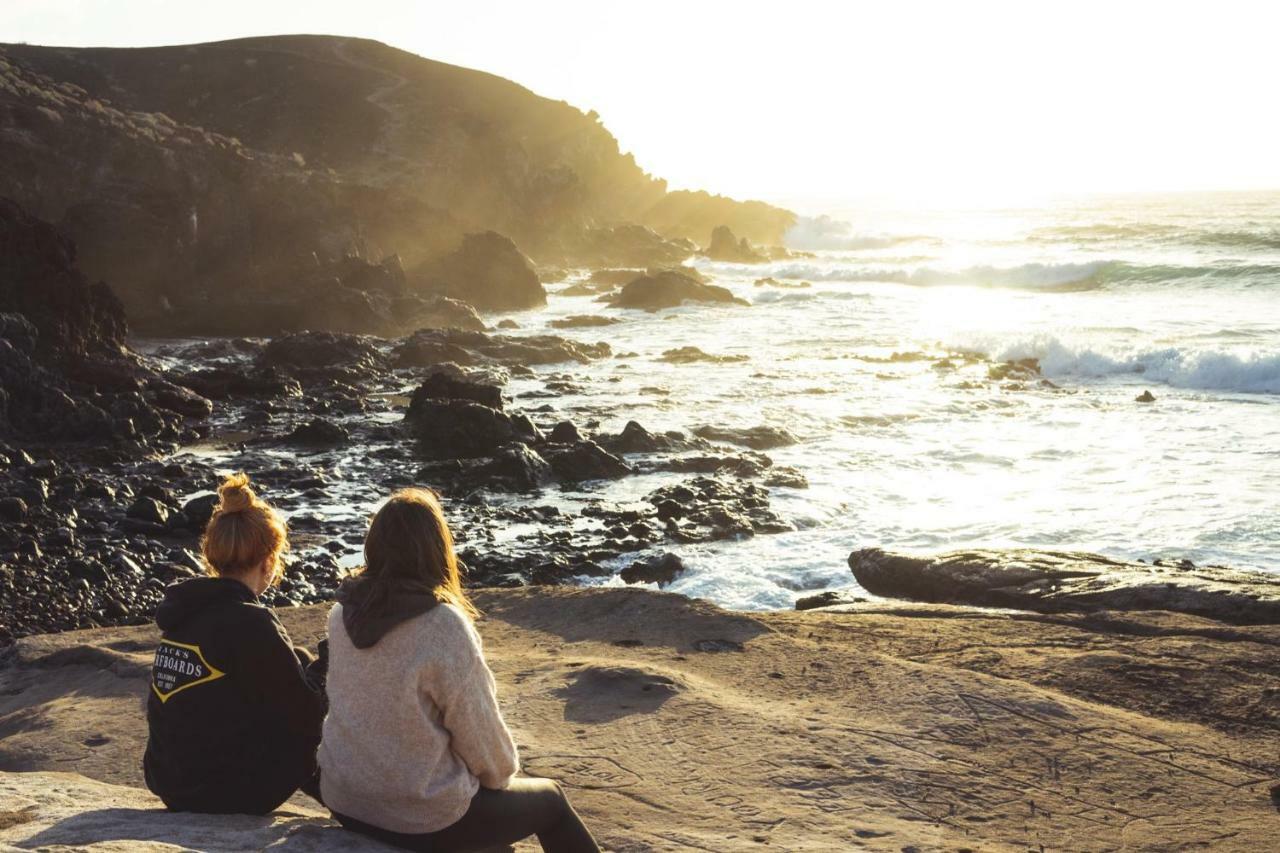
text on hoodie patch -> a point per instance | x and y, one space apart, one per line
178 666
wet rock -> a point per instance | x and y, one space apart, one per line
149 510
583 321
661 570
443 386
487 271
669 289
693 355
1056 581
829 598
634 438
175 398
1145 397
519 467
226 383
508 324
707 509
565 432
1021 369
199 510
329 353
770 281
319 432
13 508
757 438
460 428
432 346
584 460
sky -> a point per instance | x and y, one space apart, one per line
827 102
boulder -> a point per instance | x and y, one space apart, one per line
311 350
487 271
669 289
584 460
1145 397
445 387
693 355
319 432
757 438
149 510
448 429
518 467
661 570
1058 581
427 347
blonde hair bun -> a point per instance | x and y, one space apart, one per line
235 494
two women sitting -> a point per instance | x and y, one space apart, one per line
413 750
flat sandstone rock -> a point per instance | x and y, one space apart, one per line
1057 581
676 725
66 811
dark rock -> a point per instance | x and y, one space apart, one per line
669 289
508 324
460 428
585 460
428 347
13 508
661 570
1057 581
520 467
149 510
176 398
199 510
444 387
488 271
257 383
829 598
319 432
1145 397
309 350
757 438
565 432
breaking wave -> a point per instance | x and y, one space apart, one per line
1035 276
824 233
1160 233
1211 370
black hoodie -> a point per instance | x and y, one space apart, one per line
234 722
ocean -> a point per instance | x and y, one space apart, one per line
1176 295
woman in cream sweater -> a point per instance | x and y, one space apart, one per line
414 750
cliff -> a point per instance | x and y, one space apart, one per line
188 173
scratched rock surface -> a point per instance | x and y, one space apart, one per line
1054 581
66 811
676 725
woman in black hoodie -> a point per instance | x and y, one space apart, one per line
234 711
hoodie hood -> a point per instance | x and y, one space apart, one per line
186 599
369 616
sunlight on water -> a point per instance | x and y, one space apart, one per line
932 454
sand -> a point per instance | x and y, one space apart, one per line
677 725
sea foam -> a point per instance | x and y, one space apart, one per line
1206 369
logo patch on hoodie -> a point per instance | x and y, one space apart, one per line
178 666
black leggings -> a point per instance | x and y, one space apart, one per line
526 807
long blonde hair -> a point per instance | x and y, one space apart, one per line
409 546
243 531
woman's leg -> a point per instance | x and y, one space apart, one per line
527 807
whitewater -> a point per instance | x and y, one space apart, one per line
1176 295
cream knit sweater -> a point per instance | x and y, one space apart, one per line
413 727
